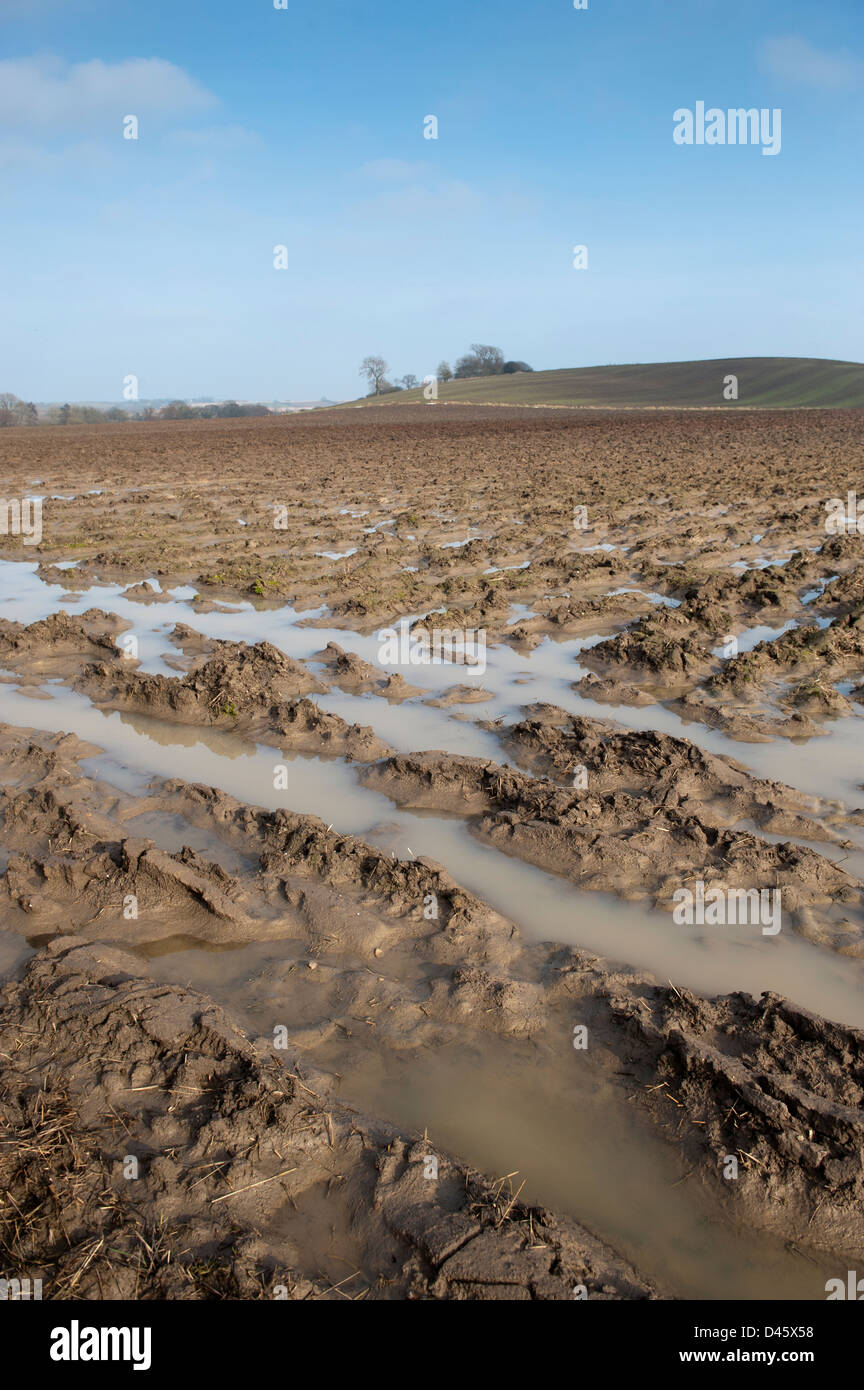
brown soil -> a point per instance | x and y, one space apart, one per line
254 1172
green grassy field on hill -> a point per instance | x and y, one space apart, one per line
771 382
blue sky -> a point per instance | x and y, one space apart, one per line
303 127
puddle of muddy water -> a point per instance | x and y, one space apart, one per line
752 636
578 1150
509 1109
709 960
658 600
173 833
412 725
141 744
14 951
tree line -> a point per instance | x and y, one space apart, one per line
17 412
481 360
227 410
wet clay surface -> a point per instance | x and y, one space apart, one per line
654 681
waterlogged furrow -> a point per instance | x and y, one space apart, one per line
711 960
828 767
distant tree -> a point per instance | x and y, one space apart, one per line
482 360
232 411
116 415
177 410
409 382
11 409
32 416
492 358
510 367
444 372
375 371
64 414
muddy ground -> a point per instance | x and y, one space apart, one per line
211 1135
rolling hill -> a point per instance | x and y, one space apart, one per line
768 382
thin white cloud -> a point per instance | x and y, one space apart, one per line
798 60
215 137
84 156
395 170
451 197
46 94
410 189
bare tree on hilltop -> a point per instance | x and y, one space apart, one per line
375 371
